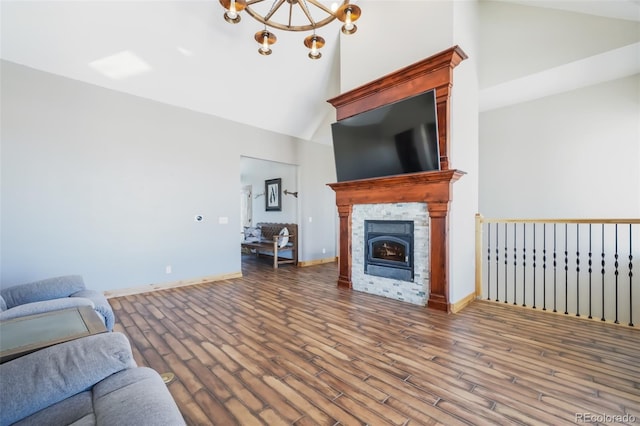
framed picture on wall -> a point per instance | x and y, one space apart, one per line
273 194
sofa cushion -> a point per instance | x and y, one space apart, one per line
3 304
77 410
50 375
50 288
135 396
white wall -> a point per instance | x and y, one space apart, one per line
318 212
419 30
254 172
574 154
106 185
464 152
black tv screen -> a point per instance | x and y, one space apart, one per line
393 139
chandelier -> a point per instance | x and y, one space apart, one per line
305 10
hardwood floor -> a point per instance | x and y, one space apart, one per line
287 347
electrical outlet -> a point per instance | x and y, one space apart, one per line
324 251
167 269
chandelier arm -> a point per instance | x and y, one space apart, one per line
266 19
319 5
273 10
305 9
290 14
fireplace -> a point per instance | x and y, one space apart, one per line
433 188
389 249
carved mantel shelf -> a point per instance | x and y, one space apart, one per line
433 188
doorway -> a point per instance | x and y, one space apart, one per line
255 175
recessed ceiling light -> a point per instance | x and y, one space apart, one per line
121 65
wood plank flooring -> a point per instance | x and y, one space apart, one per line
287 347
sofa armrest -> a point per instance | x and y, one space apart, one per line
50 375
37 291
44 306
101 305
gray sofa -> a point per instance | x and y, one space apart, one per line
89 381
53 294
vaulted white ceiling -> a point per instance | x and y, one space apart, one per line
195 59
190 57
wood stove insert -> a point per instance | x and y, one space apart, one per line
389 249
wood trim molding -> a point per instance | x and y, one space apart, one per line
305 263
434 188
462 303
175 284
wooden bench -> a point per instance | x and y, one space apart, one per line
272 243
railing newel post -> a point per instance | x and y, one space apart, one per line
478 255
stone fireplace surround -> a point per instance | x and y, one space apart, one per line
433 188
413 292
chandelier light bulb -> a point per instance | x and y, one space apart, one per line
233 9
265 39
349 13
314 43
314 54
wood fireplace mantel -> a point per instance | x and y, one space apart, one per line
433 188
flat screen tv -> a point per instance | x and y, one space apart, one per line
398 138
